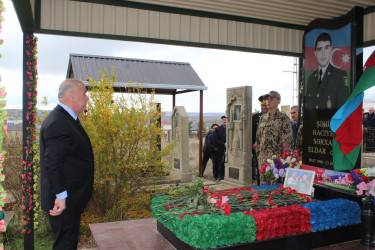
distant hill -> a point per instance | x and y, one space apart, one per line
208 118
16 114
193 114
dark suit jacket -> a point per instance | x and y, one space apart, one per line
220 138
369 122
66 160
334 89
206 140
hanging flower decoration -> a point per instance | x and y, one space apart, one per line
3 131
29 180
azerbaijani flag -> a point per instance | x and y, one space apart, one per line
347 121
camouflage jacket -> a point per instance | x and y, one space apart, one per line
273 131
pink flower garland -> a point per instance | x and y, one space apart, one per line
3 118
28 178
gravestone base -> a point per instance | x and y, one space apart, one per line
299 241
186 177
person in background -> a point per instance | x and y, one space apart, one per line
369 126
220 145
295 123
274 130
66 165
255 122
208 147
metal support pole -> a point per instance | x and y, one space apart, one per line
200 133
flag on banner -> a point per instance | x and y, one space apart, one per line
347 121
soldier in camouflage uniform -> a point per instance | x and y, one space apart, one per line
274 130
255 121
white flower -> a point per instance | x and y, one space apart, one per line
269 161
293 160
276 176
297 166
370 171
288 159
372 191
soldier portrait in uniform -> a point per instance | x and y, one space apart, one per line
327 82
327 86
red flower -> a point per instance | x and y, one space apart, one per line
206 190
364 178
350 178
227 209
357 171
263 169
270 202
255 197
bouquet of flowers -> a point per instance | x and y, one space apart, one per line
274 169
364 181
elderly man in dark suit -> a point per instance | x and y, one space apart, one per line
67 165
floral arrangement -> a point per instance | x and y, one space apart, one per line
3 117
361 181
256 213
29 183
364 181
280 222
199 200
324 214
274 169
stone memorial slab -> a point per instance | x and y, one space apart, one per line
180 137
285 109
238 155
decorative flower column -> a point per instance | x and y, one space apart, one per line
29 117
3 131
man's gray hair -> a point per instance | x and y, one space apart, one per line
65 86
294 107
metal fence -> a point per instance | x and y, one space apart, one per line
369 141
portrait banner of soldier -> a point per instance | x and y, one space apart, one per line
329 50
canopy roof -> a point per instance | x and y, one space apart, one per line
161 76
274 27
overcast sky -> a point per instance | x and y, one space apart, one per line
218 69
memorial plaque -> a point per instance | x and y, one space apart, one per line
234 173
177 163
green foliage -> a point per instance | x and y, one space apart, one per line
190 126
43 235
124 134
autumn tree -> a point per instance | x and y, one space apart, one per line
124 134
